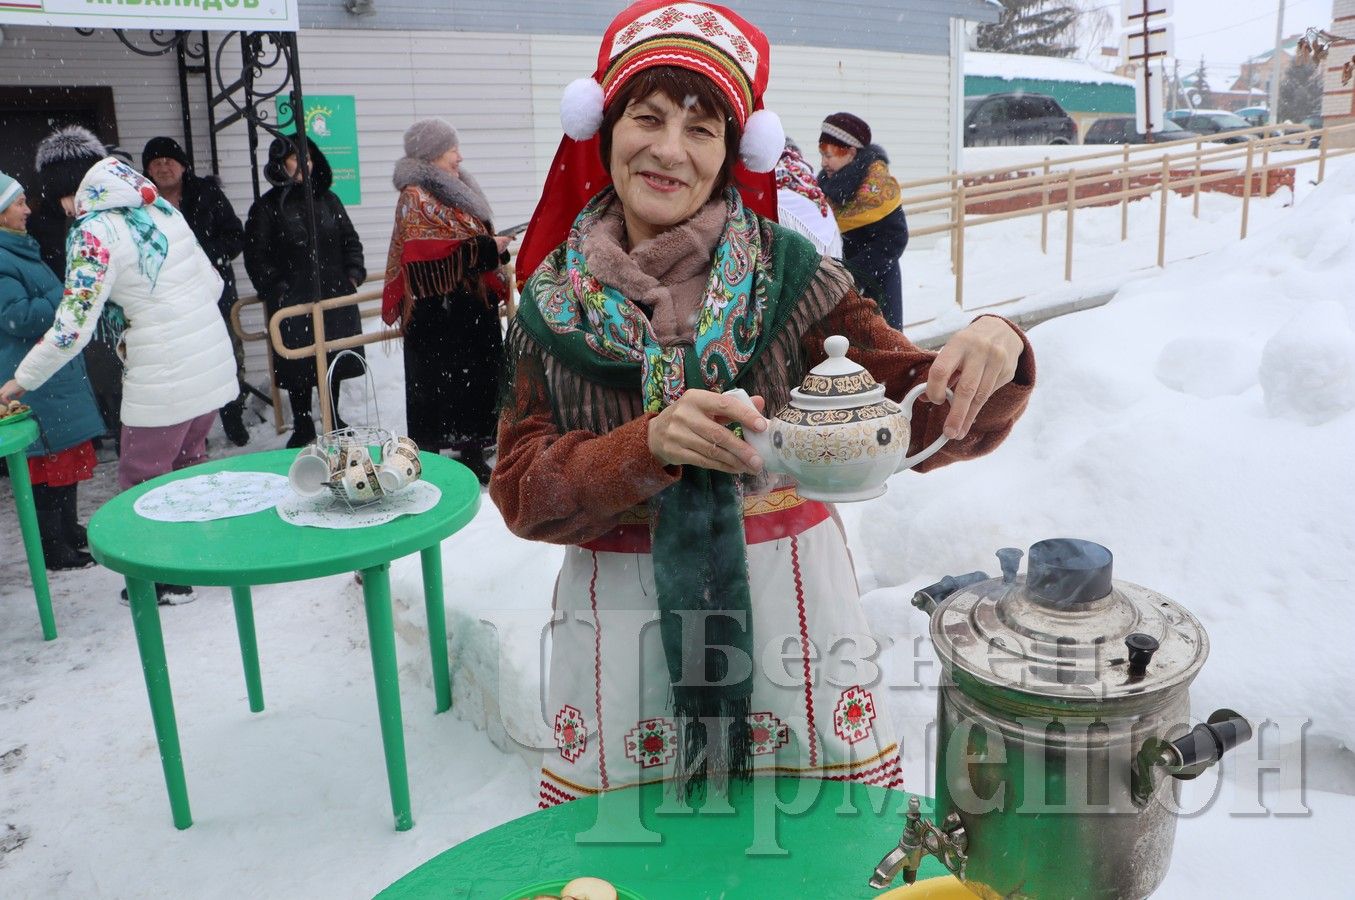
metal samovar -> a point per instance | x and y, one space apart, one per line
1062 730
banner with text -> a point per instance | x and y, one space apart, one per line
332 122
178 15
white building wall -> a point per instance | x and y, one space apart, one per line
1338 100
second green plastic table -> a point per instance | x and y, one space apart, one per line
263 549
14 440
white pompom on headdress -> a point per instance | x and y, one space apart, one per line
581 108
763 140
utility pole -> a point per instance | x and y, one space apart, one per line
1275 66
1146 38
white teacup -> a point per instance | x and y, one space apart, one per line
405 457
400 445
398 471
359 481
309 472
351 456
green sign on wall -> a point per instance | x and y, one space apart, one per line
332 122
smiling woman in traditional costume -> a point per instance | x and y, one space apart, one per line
699 603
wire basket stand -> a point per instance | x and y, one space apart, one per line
341 442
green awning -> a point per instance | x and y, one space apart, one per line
1073 96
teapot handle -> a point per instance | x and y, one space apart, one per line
759 441
907 405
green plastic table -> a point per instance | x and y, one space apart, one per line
263 549
14 440
823 841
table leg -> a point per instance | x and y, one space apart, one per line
28 527
437 624
249 646
376 593
151 644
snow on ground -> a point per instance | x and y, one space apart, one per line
1199 425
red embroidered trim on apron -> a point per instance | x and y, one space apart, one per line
769 733
652 742
853 714
571 736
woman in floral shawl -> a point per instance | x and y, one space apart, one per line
444 283
661 284
135 269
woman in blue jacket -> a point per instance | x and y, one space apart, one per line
64 407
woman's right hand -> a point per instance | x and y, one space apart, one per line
504 241
11 391
692 432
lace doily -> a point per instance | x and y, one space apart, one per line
325 511
220 495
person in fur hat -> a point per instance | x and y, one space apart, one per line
278 260
869 208
444 284
656 280
62 159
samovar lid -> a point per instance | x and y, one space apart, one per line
1066 631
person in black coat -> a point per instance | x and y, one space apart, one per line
277 258
218 230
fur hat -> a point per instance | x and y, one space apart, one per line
709 40
164 148
10 190
63 158
429 139
846 130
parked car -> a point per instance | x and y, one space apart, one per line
1256 115
1120 130
1215 121
1314 122
995 120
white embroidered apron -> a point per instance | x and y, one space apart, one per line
609 684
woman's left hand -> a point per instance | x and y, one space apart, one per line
974 364
11 391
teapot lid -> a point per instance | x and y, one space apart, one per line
1065 631
837 382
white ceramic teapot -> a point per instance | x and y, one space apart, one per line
840 437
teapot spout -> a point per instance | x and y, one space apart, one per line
761 441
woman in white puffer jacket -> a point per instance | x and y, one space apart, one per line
132 262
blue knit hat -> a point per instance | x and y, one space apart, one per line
10 190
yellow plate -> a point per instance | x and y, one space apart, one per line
944 888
